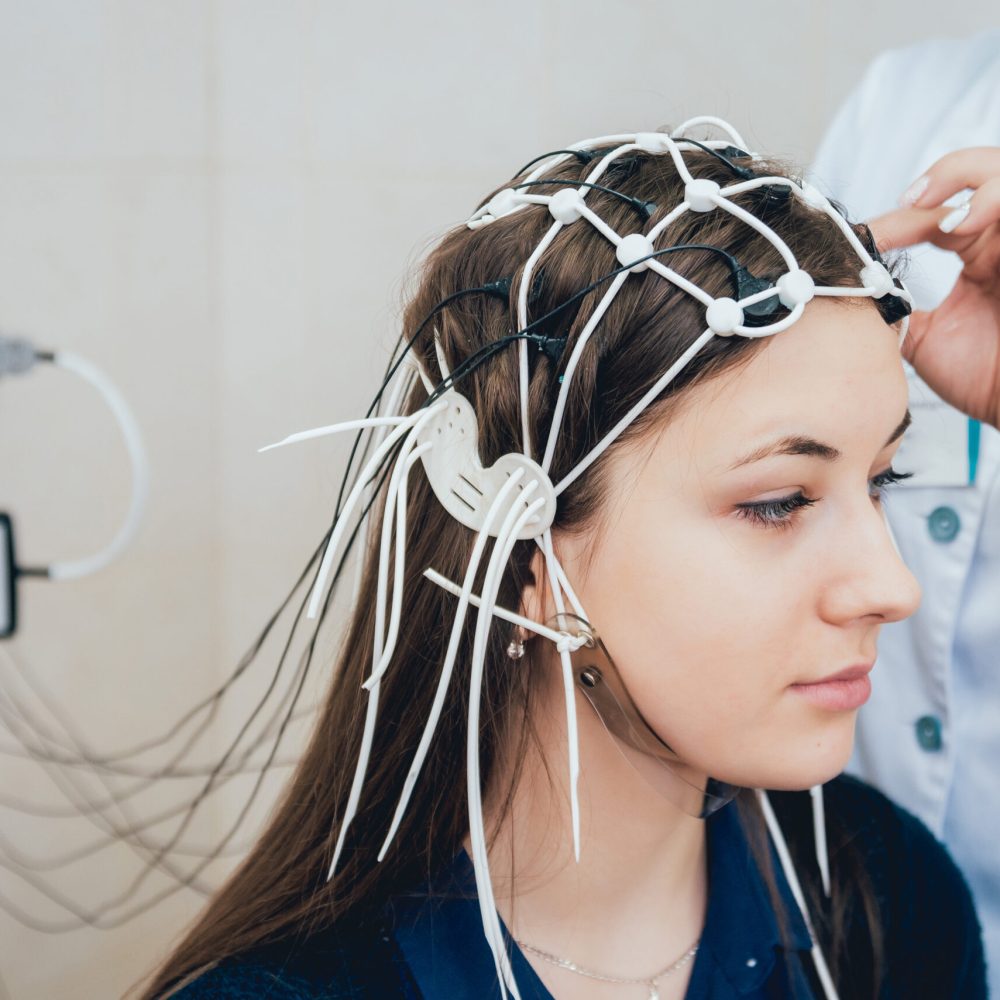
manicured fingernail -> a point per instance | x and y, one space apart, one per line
912 194
954 218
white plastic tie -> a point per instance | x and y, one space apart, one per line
504 613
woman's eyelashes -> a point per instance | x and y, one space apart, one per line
781 513
886 479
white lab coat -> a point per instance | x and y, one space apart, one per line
930 736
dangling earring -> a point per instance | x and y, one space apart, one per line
516 648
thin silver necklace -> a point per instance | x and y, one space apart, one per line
649 982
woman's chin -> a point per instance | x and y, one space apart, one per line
796 766
803 779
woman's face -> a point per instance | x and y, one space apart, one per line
715 605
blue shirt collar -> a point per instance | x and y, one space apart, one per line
439 931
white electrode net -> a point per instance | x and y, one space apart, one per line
515 498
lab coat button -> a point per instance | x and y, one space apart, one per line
929 732
943 524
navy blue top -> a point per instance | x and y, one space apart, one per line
443 944
430 943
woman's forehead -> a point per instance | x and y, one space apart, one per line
836 376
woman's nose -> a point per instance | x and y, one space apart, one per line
871 578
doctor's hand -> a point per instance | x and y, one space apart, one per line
956 347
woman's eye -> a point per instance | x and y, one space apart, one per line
781 513
774 513
885 479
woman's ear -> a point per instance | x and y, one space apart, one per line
536 603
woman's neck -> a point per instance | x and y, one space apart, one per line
637 897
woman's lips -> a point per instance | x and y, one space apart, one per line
840 692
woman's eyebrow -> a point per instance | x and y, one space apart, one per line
797 444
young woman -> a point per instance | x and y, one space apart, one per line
712 500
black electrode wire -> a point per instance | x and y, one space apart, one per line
60 861
84 760
644 208
117 796
744 173
29 808
65 781
45 888
498 288
147 776
129 831
186 850
212 699
53 895
485 353
122 833
98 917
57 778
195 803
34 864
305 660
384 468
92 807
583 156
227 774
98 817
193 806
171 890
66 784
130 834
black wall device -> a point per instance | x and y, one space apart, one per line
8 575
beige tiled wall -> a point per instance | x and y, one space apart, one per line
216 201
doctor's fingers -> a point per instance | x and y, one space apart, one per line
965 225
965 168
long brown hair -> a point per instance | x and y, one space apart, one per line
280 889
